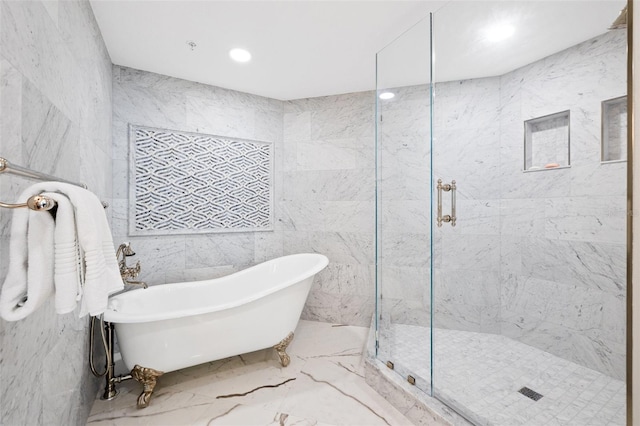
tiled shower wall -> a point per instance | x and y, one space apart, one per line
538 256
563 232
322 176
55 116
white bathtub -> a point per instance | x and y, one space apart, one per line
173 326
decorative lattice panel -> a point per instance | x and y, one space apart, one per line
194 183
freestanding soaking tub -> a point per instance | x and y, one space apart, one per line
173 326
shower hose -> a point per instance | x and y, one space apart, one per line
105 345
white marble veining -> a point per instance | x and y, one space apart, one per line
323 385
55 116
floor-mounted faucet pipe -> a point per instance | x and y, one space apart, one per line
107 334
105 345
110 391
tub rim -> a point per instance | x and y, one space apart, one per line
117 317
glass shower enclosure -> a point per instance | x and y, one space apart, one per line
501 210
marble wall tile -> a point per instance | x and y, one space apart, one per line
404 183
236 248
590 265
302 215
298 125
410 283
341 247
144 106
404 216
596 219
524 216
198 274
55 100
599 179
401 118
410 152
349 216
322 306
403 249
323 155
404 311
267 246
357 309
471 252
10 137
342 122
467 300
346 278
32 42
353 101
329 185
46 132
458 101
209 116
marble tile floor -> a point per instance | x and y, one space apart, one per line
323 385
479 374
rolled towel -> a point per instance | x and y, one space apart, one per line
102 275
67 260
29 281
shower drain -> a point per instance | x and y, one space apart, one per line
530 393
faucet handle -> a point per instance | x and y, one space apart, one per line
127 250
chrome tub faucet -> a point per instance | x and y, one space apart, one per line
128 273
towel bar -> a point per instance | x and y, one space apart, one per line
35 202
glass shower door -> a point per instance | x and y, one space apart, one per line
403 221
529 288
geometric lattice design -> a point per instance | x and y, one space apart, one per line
186 183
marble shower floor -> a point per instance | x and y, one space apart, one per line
323 385
483 373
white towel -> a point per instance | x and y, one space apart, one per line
67 261
101 275
29 281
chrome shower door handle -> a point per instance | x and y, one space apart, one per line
446 218
453 203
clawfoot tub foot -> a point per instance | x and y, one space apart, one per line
281 348
148 377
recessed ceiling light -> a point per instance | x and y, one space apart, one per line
499 32
240 55
386 95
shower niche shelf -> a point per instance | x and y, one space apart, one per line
614 130
546 142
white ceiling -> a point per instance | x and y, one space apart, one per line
315 48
